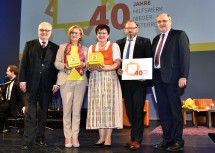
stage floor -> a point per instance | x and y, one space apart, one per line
11 143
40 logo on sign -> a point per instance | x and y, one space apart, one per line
99 16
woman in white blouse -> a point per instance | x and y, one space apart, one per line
104 91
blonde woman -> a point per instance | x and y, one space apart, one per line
72 81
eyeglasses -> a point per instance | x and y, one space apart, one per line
75 33
44 30
102 33
160 21
130 28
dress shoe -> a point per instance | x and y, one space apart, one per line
128 144
162 146
97 145
26 147
175 147
135 145
106 146
41 143
212 136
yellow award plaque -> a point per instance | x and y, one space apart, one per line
73 59
96 59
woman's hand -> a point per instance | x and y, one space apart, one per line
82 64
94 68
66 67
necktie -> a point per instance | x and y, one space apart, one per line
128 49
159 50
43 44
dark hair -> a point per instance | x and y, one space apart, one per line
13 68
101 27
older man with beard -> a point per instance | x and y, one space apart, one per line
134 91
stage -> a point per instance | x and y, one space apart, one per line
11 142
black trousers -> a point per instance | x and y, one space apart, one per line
38 103
169 109
4 112
134 97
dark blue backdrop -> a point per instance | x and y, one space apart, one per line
10 14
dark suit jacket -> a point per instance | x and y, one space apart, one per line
142 49
32 67
175 56
17 98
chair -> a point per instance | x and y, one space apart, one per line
11 124
146 111
202 114
193 115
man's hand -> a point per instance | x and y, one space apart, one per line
23 86
182 82
55 88
119 71
23 110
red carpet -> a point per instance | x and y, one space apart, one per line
200 131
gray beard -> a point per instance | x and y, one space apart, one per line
130 36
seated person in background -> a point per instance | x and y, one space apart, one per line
14 98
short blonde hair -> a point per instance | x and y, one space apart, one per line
74 27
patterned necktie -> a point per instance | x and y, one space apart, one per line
43 44
157 57
128 49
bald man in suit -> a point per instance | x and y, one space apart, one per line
171 69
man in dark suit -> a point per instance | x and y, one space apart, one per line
134 91
171 68
14 98
38 77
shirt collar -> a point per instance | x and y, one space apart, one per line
166 33
40 40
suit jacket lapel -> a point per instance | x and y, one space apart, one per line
155 43
136 46
123 47
169 37
37 48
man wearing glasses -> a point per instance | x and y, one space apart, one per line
171 68
38 76
134 91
